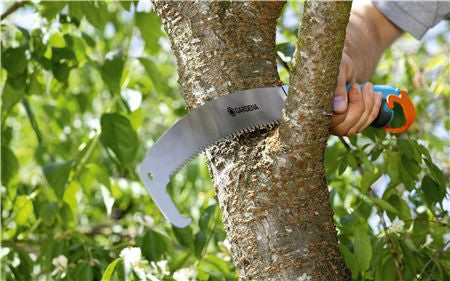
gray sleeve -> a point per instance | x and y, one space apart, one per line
415 17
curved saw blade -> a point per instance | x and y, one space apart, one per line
222 117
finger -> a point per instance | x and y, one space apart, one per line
340 101
340 97
377 97
346 74
340 124
337 119
354 112
367 93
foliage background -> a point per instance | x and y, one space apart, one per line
88 87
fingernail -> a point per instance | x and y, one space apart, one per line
339 104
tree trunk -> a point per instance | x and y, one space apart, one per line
270 184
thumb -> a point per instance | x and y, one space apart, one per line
340 101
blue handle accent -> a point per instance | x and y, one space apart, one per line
386 114
385 90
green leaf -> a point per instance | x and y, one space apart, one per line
25 267
369 176
149 25
100 174
205 218
76 10
61 71
62 54
184 236
112 69
57 175
343 163
363 248
437 174
331 154
402 208
376 153
350 260
23 208
387 271
96 14
67 215
352 162
10 97
410 262
7 134
286 48
18 82
14 60
213 264
199 243
24 31
118 135
385 205
374 134
406 148
179 260
70 196
393 163
127 4
10 165
152 71
48 212
410 172
155 246
431 191
51 8
56 40
88 39
110 270
36 84
410 149
84 272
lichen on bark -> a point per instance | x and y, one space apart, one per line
270 184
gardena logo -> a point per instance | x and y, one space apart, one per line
246 108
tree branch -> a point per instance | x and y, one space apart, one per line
299 174
283 63
275 231
436 256
13 8
390 241
33 121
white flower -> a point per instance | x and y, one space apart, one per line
131 256
397 225
446 237
163 267
139 272
152 277
185 274
227 244
428 240
60 262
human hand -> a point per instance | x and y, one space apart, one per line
353 111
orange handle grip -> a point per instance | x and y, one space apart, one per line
408 111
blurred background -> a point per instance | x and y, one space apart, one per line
88 87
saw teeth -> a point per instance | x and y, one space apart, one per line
269 125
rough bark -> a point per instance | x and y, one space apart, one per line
271 186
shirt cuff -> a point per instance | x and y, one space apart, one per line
401 18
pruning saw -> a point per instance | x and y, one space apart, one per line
228 116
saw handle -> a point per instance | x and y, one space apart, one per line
391 95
